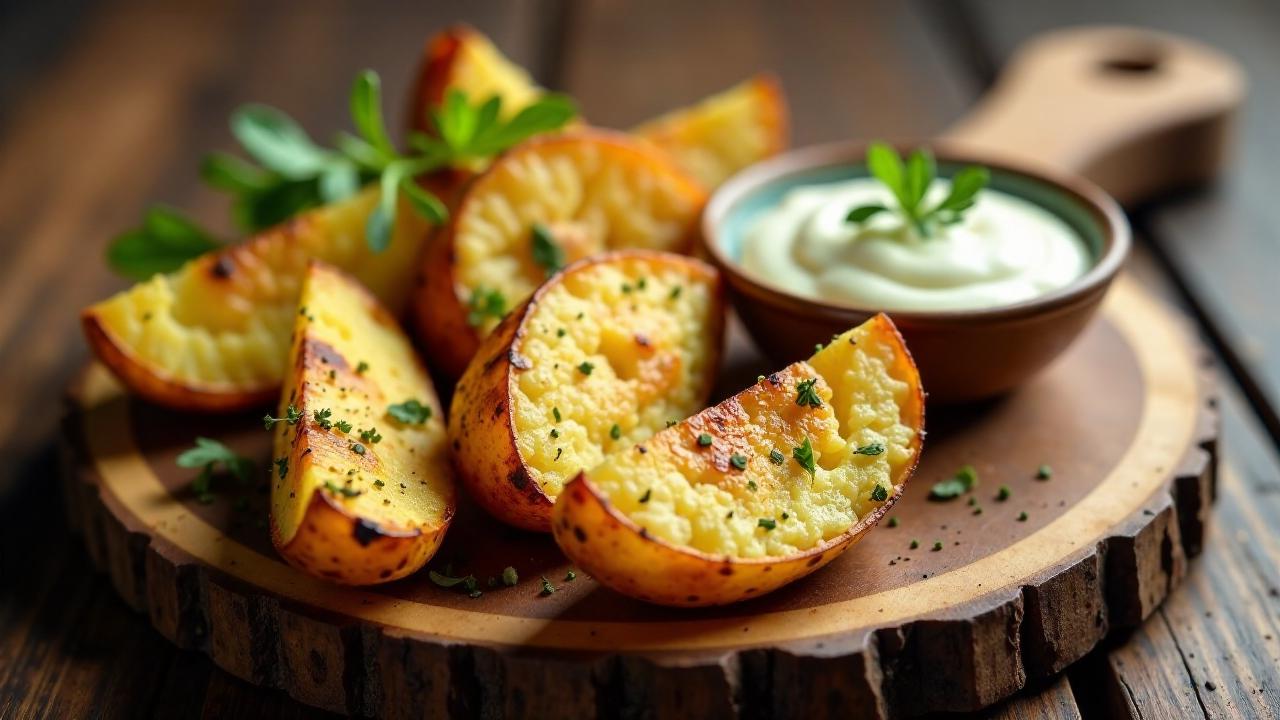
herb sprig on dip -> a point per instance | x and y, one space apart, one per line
288 172
910 181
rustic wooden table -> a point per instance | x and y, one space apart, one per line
105 107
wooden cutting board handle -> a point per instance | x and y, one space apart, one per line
1137 111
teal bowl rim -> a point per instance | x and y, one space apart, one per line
1113 234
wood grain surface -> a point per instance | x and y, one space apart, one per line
107 106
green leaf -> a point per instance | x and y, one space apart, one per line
803 454
340 180
485 304
359 151
410 412
366 112
456 120
377 229
163 244
546 253
424 203
207 453
446 581
549 112
872 449
228 172
921 170
965 479
487 115
277 142
964 189
884 163
257 211
864 213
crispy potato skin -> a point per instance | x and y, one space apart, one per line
482 434
232 292
156 386
340 546
482 430
341 539
440 299
620 554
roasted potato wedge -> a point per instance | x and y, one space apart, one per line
362 491
603 355
726 132
463 58
214 336
722 507
589 190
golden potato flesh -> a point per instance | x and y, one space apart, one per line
362 491
463 58
589 190
723 506
726 132
605 354
214 335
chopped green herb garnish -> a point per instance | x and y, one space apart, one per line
872 449
675 292
807 394
322 418
910 183
965 479
776 457
570 576
647 494
362 367
615 432
893 521
560 332
915 544
1003 493
704 439
282 466
751 485
1044 472
378 483
937 545
371 436
291 417
546 252
554 433
343 426
555 413
767 523
509 576
343 490
485 304
208 454
547 587
585 368
1022 516
738 461
410 412
879 494
641 284
803 454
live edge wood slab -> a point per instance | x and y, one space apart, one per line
1126 420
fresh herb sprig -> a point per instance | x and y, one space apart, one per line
910 181
288 172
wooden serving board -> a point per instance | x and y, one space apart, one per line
1125 419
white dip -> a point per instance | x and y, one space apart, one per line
1005 250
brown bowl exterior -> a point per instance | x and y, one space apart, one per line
963 355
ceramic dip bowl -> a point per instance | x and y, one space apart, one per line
963 355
